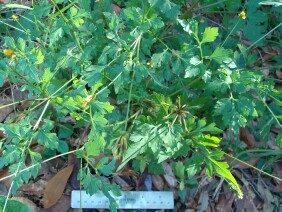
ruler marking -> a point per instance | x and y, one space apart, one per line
128 200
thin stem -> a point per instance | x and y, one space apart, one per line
102 13
234 158
273 115
261 38
200 46
136 45
181 89
34 165
22 158
210 5
230 33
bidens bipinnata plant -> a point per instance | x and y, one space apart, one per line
153 82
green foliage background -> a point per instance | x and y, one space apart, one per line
157 81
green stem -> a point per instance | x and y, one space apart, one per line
272 176
102 13
230 33
23 157
32 166
136 45
210 5
181 89
273 115
70 26
261 38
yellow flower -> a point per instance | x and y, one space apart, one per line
243 15
150 64
9 52
15 18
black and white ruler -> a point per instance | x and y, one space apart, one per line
127 200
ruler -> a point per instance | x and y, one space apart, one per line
127 200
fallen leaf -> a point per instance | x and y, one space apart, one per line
267 197
203 202
224 203
265 72
247 137
3 174
119 181
252 162
116 8
32 207
3 189
148 183
277 171
56 187
62 205
277 189
73 178
34 188
4 112
169 176
279 74
190 203
158 182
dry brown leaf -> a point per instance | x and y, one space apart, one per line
63 205
4 173
224 203
34 188
116 8
203 202
247 137
119 181
158 182
252 162
277 189
279 74
32 207
169 176
56 187
4 112
277 171
267 197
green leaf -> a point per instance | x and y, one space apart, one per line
107 169
147 136
65 131
91 183
190 27
12 205
168 8
221 169
93 148
99 121
9 43
103 107
63 146
162 104
220 54
179 169
193 165
21 44
55 35
210 34
3 72
207 140
49 140
15 6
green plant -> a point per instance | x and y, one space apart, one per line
149 84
